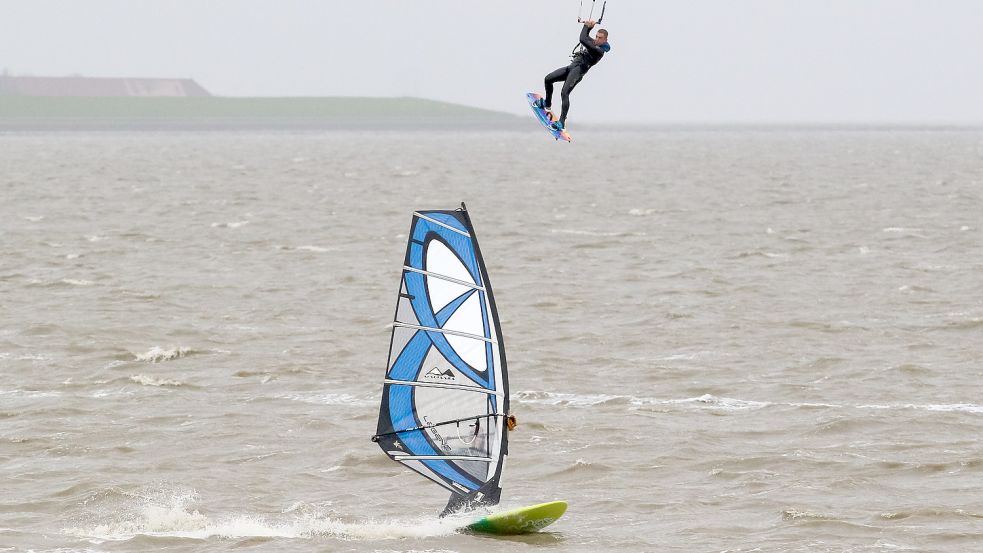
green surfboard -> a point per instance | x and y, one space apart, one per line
523 520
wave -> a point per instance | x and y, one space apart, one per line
176 517
900 229
589 400
795 514
717 402
76 282
60 283
758 253
231 224
965 324
145 380
583 466
710 401
942 408
157 354
931 513
320 398
559 398
362 460
315 249
305 248
29 394
266 377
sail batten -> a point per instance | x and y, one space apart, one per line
445 391
438 223
444 277
399 457
472 389
444 331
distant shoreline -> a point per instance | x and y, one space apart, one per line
215 113
60 114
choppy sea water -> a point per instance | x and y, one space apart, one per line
718 341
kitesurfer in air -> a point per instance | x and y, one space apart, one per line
590 52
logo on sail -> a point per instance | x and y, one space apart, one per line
440 439
437 374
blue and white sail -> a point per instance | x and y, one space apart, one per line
445 397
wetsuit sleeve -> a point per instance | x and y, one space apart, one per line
588 42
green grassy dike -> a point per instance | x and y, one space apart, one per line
28 113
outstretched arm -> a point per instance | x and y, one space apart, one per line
587 41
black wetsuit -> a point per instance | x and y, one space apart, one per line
583 60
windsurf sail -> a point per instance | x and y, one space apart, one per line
445 397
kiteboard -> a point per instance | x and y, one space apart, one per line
445 397
545 117
523 520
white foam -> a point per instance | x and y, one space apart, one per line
636 212
559 398
330 399
99 394
154 381
177 518
902 230
316 249
712 402
232 224
157 354
944 408
295 507
29 394
77 282
680 356
56 550
725 403
795 514
415 551
587 400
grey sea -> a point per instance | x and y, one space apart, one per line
719 341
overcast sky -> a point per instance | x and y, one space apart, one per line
768 61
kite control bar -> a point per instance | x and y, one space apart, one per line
593 3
